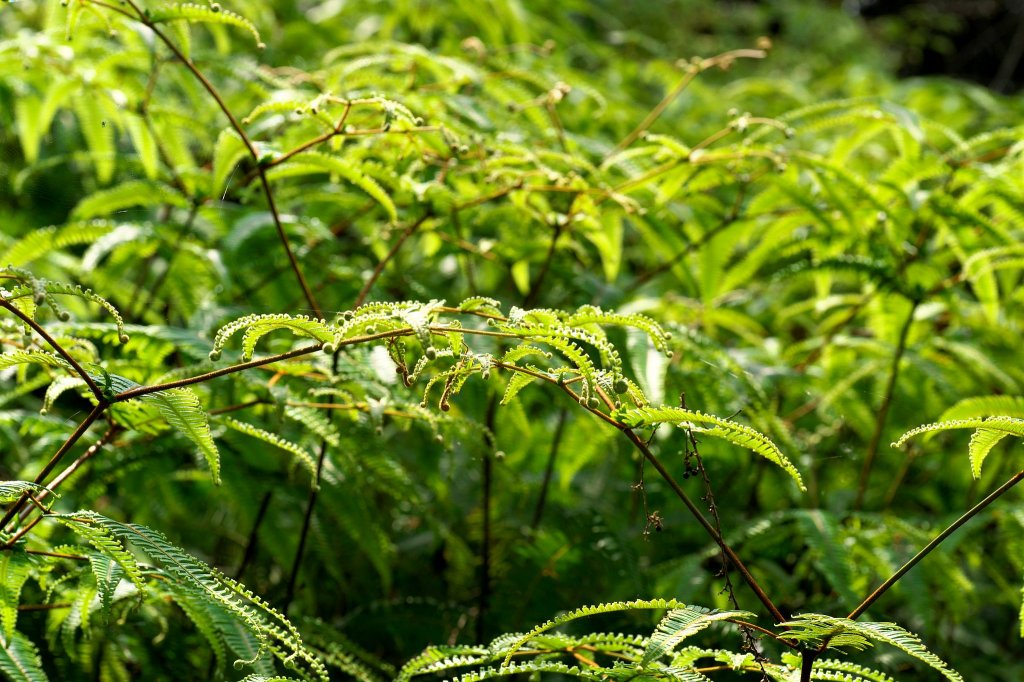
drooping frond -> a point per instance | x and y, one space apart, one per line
184 412
209 14
816 628
735 433
300 453
594 315
299 325
275 633
316 162
990 430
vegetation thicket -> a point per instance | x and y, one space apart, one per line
360 339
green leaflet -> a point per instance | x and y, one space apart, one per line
735 433
19 660
32 357
678 624
990 430
194 14
532 667
300 326
842 632
183 411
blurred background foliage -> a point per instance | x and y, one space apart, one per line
825 238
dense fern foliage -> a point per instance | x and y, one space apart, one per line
374 340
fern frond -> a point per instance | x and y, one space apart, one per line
257 326
845 671
814 628
184 412
299 325
108 574
274 632
532 668
50 289
586 611
15 569
436 659
145 193
317 162
19 660
594 315
105 543
990 430
735 433
678 624
481 304
13 490
300 453
208 14
984 405
42 242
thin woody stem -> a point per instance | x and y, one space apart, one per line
250 147
68 444
936 541
56 346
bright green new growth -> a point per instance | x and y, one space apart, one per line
726 429
842 632
827 272
989 431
